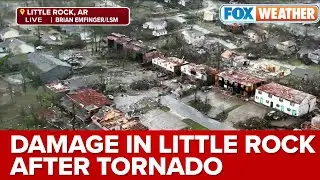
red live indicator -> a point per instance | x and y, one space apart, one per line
90 16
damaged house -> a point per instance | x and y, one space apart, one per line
194 37
108 118
169 64
152 54
287 47
233 59
239 83
234 28
85 103
285 99
134 49
314 56
256 35
116 41
58 88
200 72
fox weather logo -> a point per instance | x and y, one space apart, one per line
263 13
237 14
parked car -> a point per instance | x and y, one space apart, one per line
110 97
40 47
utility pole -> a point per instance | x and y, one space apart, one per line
74 116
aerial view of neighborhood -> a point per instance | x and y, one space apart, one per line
176 66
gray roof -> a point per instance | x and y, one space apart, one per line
12 43
195 32
4 30
45 62
299 72
158 22
161 30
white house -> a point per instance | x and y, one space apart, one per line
171 64
160 32
183 2
315 56
17 46
257 36
158 27
209 15
8 33
155 24
194 37
285 99
287 47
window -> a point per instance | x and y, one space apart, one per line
260 92
278 105
267 101
257 97
291 103
270 95
289 109
294 112
280 99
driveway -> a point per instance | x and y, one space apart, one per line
186 111
217 100
245 112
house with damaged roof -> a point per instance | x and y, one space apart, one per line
200 72
169 64
47 67
285 99
116 41
135 49
84 103
194 37
108 118
239 83
152 54
234 59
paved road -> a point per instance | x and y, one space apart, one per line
189 112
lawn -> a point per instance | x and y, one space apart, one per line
165 108
194 125
295 62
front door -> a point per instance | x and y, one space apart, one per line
271 104
282 108
261 100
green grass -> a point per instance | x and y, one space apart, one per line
165 108
295 62
194 125
315 66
